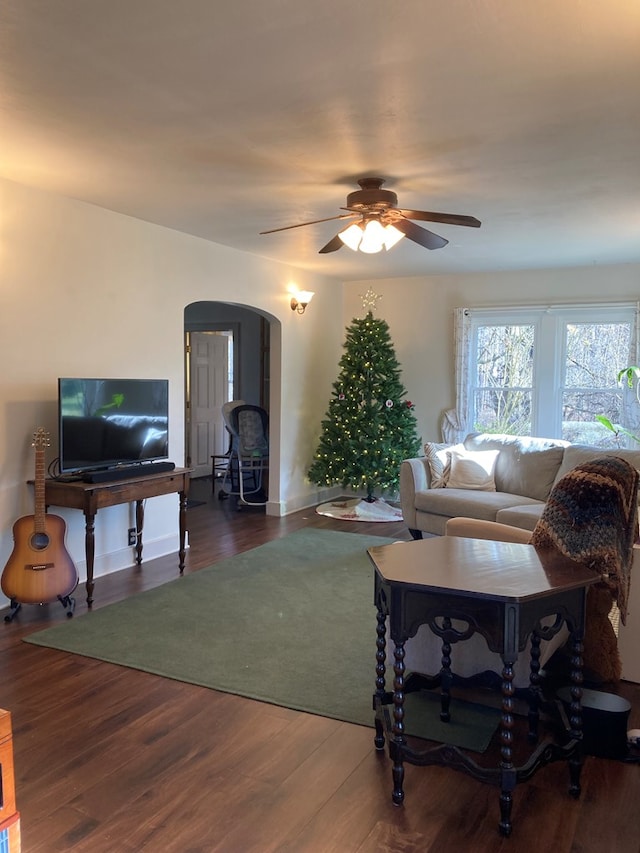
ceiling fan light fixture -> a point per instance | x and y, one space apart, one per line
391 236
352 236
370 236
373 238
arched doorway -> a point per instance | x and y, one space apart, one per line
231 352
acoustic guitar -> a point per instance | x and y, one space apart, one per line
39 569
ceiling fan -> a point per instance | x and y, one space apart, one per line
381 223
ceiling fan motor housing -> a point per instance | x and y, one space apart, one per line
371 196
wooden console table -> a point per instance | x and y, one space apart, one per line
502 591
90 497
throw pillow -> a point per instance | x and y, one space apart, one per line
472 469
438 462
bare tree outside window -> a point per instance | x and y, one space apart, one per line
594 354
551 372
504 379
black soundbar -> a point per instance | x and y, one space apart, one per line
126 472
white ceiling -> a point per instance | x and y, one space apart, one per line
223 119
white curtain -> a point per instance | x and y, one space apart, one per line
454 421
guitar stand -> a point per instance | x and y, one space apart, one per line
69 604
14 607
67 601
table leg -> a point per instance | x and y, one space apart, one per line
399 739
445 674
381 655
534 688
139 527
575 719
89 550
182 523
507 770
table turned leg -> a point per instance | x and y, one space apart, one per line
381 655
182 524
575 712
534 688
139 527
507 770
399 739
89 551
445 675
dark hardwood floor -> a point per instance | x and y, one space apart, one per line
110 759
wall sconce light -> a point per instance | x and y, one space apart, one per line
370 236
299 303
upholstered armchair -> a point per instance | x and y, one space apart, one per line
473 528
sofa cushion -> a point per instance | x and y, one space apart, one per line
467 502
525 517
526 465
438 462
472 469
578 454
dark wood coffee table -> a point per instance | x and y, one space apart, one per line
502 591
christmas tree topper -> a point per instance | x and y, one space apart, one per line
370 300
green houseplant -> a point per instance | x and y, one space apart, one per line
629 375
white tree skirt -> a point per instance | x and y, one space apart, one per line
360 510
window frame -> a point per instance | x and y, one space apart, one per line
548 375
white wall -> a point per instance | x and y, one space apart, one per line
419 312
88 292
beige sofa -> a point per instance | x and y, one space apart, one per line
520 472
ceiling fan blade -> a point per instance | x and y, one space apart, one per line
313 222
420 235
332 246
445 218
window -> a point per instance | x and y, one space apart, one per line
504 378
550 371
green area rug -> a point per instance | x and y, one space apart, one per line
291 622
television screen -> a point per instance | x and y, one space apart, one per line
108 422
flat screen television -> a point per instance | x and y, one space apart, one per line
106 423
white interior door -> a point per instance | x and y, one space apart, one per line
209 381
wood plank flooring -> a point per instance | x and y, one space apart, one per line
110 759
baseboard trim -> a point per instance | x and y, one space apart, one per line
124 558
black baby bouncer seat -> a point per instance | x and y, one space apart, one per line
248 427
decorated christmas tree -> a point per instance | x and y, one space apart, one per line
369 428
